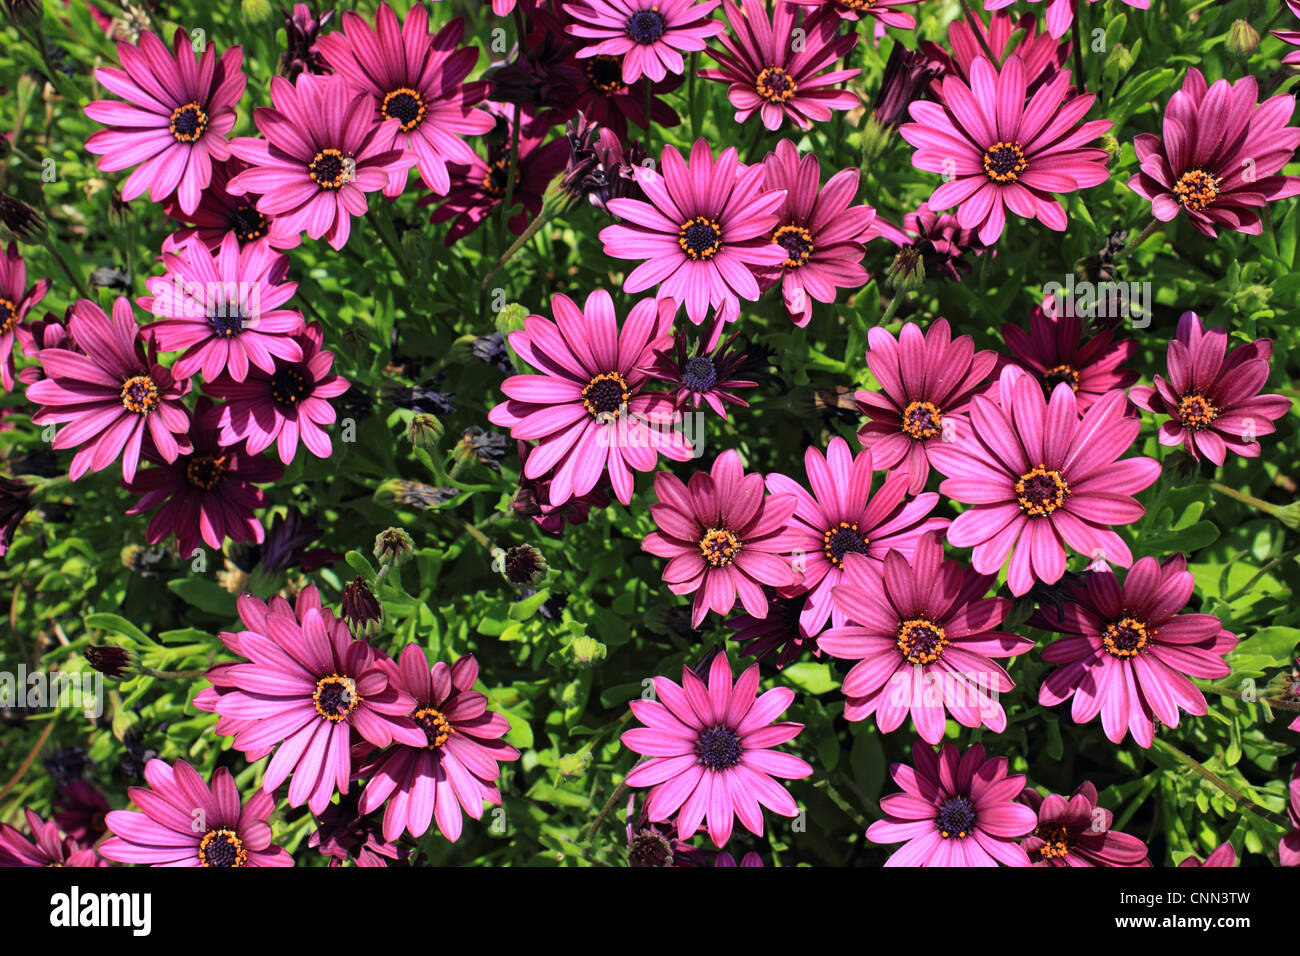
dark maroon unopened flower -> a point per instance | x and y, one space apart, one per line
45 848
1074 831
600 168
1054 350
361 609
301 28
650 36
907 75
16 300
109 659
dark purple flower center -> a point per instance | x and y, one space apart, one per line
405 105
650 848
205 472
188 123
605 73
700 237
1127 637
921 641
844 538
437 728
495 179
718 747
222 848
1196 412
335 697
140 394
606 396
797 243
1004 162
289 386
1061 373
700 374
956 817
226 320
921 420
1056 841
646 26
719 547
8 316
1196 189
1041 491
248 224
775 85
329 169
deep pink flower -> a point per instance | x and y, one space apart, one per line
1290 38
749 859
710 749
281 407
1127 651
923 636
533 499
943 243
707 376
843 517
955 810
224 309
1040 479
48 848
821 234
780 630
322 153
588 404
650 35
1077 832
1288 851
606 100
184 822
927 382
884 12
1223 855
179 108
1054 351
16 300
1000 149
1060 13
723 537
454 768
416 79
1212 394
1220 157
49 332
117 400
770 75
704 233
220 214
1042 53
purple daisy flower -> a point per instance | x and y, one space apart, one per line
705 376
454 768
1212 394
749 859
821 234
117 400
924 637
46 848
220 214
588 405
184 822
884 12
710 749
16 300
1223 855
1220 157
941 241
927 382
416 79
1288 851
769 75
606 100
650 35
843 517
1053 351
50 332
1077 832
780 630
723 538
283 406
1127 652
1290 38
955 810
1060 13
704 234
1042 53
322 153
179 108
224 309
1040 479
999 148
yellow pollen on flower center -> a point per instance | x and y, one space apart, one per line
1061 373
797 243
222 848
1004 162
719 547
1056 842
922 420
405 105
1196 412
844 538
437 728
921 641
1124 638
335 697
700 237
330 169
1196 189
140 394
775 85
606 396
1041 491
188 123
8 315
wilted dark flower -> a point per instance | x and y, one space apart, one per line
599 169
522 564
393 546
414 494
343 833
25 222
421 398
81 809
110 278
907 74
138 753
657 844
533 500
67 765
361 609
149 562
15 502
109 659
42 462
488 448
779 631
286 544
942 242
301 29
492 349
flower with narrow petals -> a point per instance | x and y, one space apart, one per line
16 300
1061 13
1054 351
710 749
45 848
884 12
1290 37
1077 832
219 214
650 35
1044 55
1288 851
780 630
749 859
706 376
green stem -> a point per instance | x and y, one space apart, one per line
604 812
1143 236
1243 801
1258 503
75 278
979 33
890 309
1273 702
847 808
541 219
1258 574
174 675
512 166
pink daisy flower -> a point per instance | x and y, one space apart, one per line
185 822
50 332
1077 832
749 859
821 234
1127 651
322 153
1061 13
884 12
1220 157
1040 479
416 79
283 406
999 150
1288 851
588 405
117 400
305 688
843 517
923 636
1053 351
704 234
220 214
1290 38
224 309
1044 56
650 36
179 108
1224 855
46 847
723 538
779 80
610 103
705 377
16 300
710 749
456 766
942 243
927 382
955 810
1212 394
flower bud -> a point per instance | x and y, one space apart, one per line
1243 39
361 609
110 660
907 271
587 650
424 431
393 546
511 318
